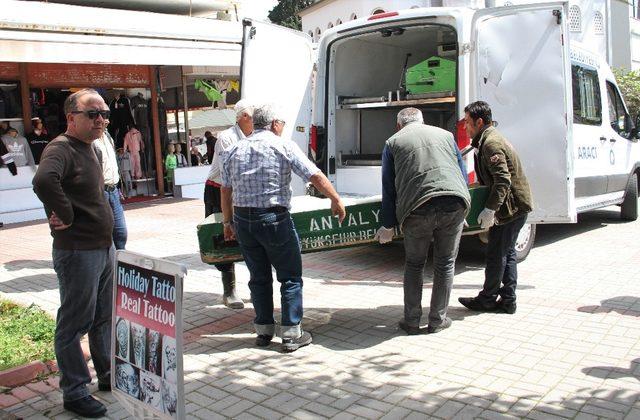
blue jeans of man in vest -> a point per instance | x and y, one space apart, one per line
85 283
440 219
267 238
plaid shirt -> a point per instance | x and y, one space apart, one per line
258 170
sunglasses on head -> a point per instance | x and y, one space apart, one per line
93 114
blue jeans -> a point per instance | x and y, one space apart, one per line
501 263
85 282
267 237
119 223
440 219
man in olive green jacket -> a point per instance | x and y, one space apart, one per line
498 167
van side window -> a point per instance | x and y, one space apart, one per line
618 116
587 103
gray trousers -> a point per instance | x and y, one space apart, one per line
440 219
85 279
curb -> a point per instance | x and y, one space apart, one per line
21 375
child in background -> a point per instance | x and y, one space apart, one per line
180 159
170 164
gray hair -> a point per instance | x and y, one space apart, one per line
243 106
264 115
71 103
409 115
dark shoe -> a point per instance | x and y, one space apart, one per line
263 340
104 386
293 344
86 407
475 305
229 297
410 330
432 329
507 308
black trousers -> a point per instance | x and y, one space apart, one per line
212 205
501 263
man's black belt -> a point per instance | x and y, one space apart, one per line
274 209
109 188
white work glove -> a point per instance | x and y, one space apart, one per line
486 218
384 235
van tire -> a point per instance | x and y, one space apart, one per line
524 243
629 208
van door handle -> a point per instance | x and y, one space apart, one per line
603 139
612 140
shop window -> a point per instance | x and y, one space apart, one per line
575 19
598 23
10 101
587 103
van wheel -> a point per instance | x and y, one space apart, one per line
629 208
524 242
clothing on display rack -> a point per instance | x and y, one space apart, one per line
37 140
162 122
124 167
18 148
121 118
134 145
7 160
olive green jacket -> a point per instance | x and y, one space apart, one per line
498 166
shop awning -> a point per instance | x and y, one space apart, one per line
56 33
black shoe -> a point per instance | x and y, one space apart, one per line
506 307
86 407
104 386
409 329
475 305
432 329
293 344
263 340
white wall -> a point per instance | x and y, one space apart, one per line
334 10
635 44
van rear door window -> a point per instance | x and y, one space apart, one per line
587 104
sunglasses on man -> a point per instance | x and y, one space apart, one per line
93 114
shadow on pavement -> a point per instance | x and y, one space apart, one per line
15 265
597 219
613 372
623 305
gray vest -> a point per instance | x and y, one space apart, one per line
426 166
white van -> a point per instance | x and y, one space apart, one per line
559 107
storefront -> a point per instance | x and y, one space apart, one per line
47 54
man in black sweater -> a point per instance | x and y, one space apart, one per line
69 183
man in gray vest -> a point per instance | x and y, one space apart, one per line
424 191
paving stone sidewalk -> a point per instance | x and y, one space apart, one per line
571 350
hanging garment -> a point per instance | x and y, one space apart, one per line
37 143
134 145
121 119
19 150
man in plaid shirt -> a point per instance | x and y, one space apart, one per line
256 196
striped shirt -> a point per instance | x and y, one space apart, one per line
258 169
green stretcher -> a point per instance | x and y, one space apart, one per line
318 229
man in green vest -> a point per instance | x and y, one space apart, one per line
498 167
424 191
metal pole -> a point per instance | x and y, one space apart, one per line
185 102
155 121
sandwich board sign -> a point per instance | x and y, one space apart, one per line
146 336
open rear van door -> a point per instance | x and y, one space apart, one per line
276 68
520 66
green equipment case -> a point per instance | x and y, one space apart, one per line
434 74
318 229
